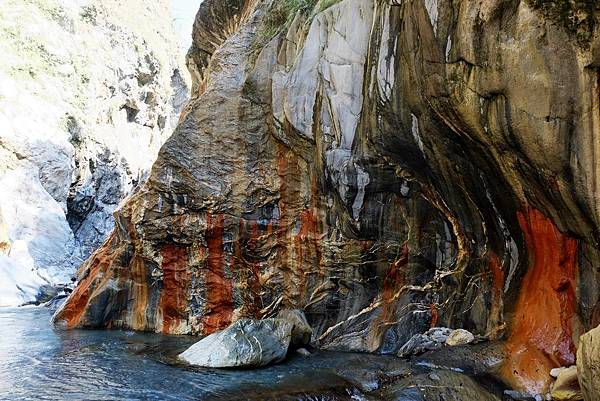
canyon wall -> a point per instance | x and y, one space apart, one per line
386 166
88 94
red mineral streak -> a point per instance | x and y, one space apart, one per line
139 289
101 262
306 246
435 315
394 278
392 285
219 291
176 278
541 335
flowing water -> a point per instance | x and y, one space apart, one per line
39 362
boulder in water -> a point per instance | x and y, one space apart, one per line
246 343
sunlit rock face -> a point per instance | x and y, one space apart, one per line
88 94
384 166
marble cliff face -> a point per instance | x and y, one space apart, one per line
386 166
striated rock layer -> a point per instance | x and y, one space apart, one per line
88 94
384 166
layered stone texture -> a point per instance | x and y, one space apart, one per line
588 364
89 91
384 166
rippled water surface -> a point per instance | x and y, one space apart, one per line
38 362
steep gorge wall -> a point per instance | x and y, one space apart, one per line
89 91
385 166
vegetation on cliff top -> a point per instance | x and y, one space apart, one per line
282 13
576 16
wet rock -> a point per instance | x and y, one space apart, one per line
566 387
245 344
303 352
366 381
588 364
520 396
434 377
445 385
301 330
56 302
460 337
433 339
482 359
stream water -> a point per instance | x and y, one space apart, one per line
39 362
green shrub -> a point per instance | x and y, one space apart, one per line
575 16
282 13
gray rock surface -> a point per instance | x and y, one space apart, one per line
89 91
445 385
301 330
245 344
432 339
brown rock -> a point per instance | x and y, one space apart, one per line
301 330
566 387
588 364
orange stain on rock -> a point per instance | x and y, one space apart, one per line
435 315
176 279
76 306
392 286
219 291
541 335
139 289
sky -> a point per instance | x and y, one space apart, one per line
184 12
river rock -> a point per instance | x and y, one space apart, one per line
438 385
301 330
588 364
433 339
303 352
460 337
566 387
245 344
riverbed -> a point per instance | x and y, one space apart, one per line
40 362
